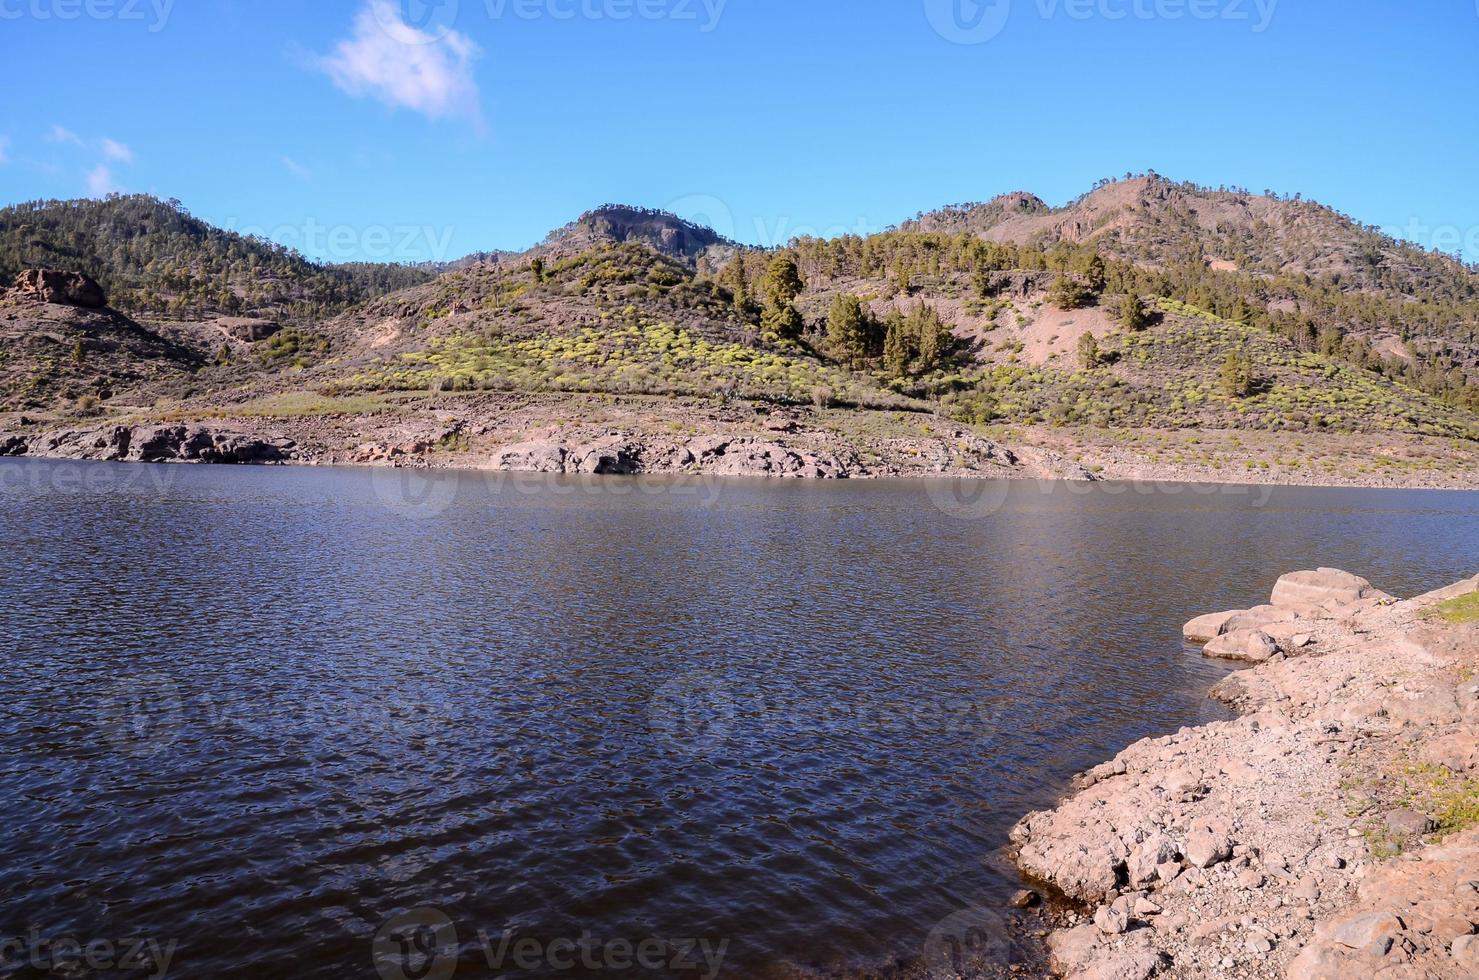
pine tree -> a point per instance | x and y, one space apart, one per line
897 350
1088 352
931 336
847 330
782 285
1066 293
1095 273
782 281
1132 313
1236 375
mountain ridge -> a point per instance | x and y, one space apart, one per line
1143 305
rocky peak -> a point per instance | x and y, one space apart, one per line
57 286
663 230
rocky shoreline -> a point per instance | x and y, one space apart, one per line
636 436
778 445
1328 833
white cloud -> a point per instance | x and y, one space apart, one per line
113 150
100 182
387 59
61 134
296 169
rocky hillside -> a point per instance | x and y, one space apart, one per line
1144 306
1154 220
1288 256
59 342
156 260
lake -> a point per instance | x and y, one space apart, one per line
333 722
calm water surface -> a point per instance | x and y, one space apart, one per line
264 713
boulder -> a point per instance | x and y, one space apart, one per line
1207 844
1147 857
1372 932
1259 617
611 456
1249 645
531 457
1074 949
1327 587
198 444
248 329
1458 751
1404 822
757 457
56 286
1206 628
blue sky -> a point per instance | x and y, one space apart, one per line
391 129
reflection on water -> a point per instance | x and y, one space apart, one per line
312 722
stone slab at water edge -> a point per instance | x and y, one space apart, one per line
1330 832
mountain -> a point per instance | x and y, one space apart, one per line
1143 307
1153 220
1302 267
155 259
617 223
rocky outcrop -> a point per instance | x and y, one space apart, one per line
156 444
1300 599
248 330
1261 847
1327 587
531 457
56 286
616 454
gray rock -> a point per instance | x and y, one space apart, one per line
1204 629
1147 858
1206 845
1373 932
1249 645
1405 822
1326 587
531 457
